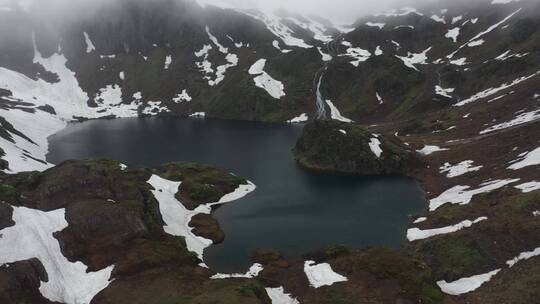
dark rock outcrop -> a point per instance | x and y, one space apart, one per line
351 148
20 281
6 213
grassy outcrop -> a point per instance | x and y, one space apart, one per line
351 148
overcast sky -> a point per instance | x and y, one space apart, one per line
342 10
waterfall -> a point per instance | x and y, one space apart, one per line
321 107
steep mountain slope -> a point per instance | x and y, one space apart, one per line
458 82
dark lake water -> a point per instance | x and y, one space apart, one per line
293 210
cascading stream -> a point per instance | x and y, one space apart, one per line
320 101
321 108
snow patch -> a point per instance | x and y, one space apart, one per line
529 159
32 237
177 217
375 146
466 285
299 119
168 61
459 169
273 87
444 92
430 149
278 296
415 234
522 118
335 114
89 45
528 187
413 59
379 98
376 24
453 34
462 196
492 91
253 272
184 96
321 274
523 256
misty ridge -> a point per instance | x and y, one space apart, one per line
338 11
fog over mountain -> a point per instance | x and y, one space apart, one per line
338 10
391 146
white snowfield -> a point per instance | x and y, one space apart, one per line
469 284
205 66
335 114
68 101
462 196
414 234
459 62
400 12
420 220
492 91
527 159
522 118
438 18
253 272
476 43
278 296
321 274
375 146
506 55
324 56
380 25
379 98
177 217
181 97
528 187
463 167
444 92
299 119
32 237
198 115
89 45
318 29
273 87
430 149
453 34
168 61
358 54
523 256
154 107
483 33
275 26
466 285
413 59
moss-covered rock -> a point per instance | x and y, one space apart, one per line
200 184
351 148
